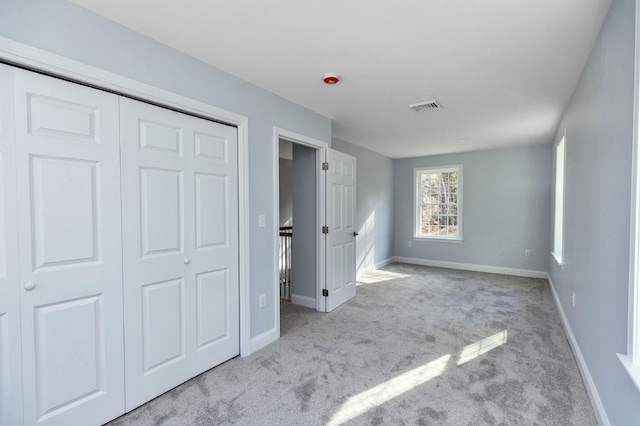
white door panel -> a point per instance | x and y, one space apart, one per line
10 363
57 118
76 323
161 215
211 210
341 268
68 179
180 232
163 322
65 211
157 136
212 307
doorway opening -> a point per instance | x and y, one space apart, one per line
299 218
320 222
298 224
285 175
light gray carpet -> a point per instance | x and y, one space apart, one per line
417 346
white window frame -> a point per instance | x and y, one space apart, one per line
558 216
631 360
417 172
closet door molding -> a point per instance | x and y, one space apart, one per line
10 353
37 59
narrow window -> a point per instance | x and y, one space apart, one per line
438 202
559 202
631 360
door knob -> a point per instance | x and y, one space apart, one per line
29 285
355 234
187 261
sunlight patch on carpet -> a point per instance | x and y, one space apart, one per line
480 347
379 276
392 388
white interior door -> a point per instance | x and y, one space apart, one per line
180 227
10 364
68 186
341 239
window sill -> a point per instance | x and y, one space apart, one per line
632 369
438 239
558 258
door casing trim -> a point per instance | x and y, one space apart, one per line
321 148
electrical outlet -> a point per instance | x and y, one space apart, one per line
573 299
263 300
527 253
410 244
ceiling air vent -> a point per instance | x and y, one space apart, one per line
426 106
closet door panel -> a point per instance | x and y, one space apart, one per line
163 322
212 307
65 212
155 272
68 180
78 324
180 247
214 241
212 210
10 362
161 215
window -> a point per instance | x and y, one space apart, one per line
438 209
559 202
631 360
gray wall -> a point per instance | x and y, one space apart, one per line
68 30
506 200
305 230
374 205
599 126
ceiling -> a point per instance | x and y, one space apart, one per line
503 70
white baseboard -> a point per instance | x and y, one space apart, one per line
472 267
263 340
370 268
592 391
307 302
384 263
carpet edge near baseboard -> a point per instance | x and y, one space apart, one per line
472 267
592 391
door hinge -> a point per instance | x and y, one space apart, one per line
325 229
325 292
325 166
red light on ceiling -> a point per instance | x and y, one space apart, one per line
331 78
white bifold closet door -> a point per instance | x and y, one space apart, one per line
70 251
180 242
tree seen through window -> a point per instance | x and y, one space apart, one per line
438 203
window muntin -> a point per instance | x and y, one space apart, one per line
438 199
